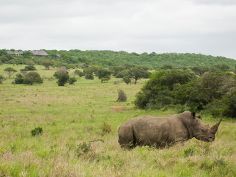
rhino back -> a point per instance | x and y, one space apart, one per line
159 132
151 131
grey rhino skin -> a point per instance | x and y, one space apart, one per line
164 132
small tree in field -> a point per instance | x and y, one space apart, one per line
103 74
72 80
127 79
29 68
47 64
137 73
32 77
62 75
78 73
89 76
19 79
10 71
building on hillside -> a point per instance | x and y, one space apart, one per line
15 52
41 53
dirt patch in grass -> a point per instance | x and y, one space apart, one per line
118 108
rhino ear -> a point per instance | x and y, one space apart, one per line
199 117
193 114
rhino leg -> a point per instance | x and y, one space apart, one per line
126 137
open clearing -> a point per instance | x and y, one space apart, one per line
74 115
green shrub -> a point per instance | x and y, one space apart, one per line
47 64
19 79
72 80
89 76
37 131
103 74
78 73
127 79
10 71
32 77
29 68
62 75
158 91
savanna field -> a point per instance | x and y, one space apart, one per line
79 136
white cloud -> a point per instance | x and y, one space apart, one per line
133 25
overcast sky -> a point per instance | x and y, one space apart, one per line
196 26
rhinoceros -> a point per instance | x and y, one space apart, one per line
164 132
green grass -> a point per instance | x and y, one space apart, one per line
75 114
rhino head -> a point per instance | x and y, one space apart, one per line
203 132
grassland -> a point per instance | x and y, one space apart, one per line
75 114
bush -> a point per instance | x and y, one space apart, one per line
1 79
127 80
105 79
62 75
78 73
37 131
230 105
32 77
19 79
72 80
121 96
103 74
158 90
10 71
29 68
47 64
89 76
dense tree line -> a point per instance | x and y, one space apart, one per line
213 91
78 58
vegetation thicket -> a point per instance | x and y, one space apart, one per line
183 87
29 78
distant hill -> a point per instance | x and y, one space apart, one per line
112 58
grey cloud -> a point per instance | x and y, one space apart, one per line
133 25
216 2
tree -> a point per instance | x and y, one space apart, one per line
72 80
32 77
19 79
89 76
47 64
126 79
137 73
10 71
79 73
29 68
103 74
123 73
158 91
62 75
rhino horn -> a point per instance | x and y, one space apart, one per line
214 128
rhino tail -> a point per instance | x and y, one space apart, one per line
126 137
